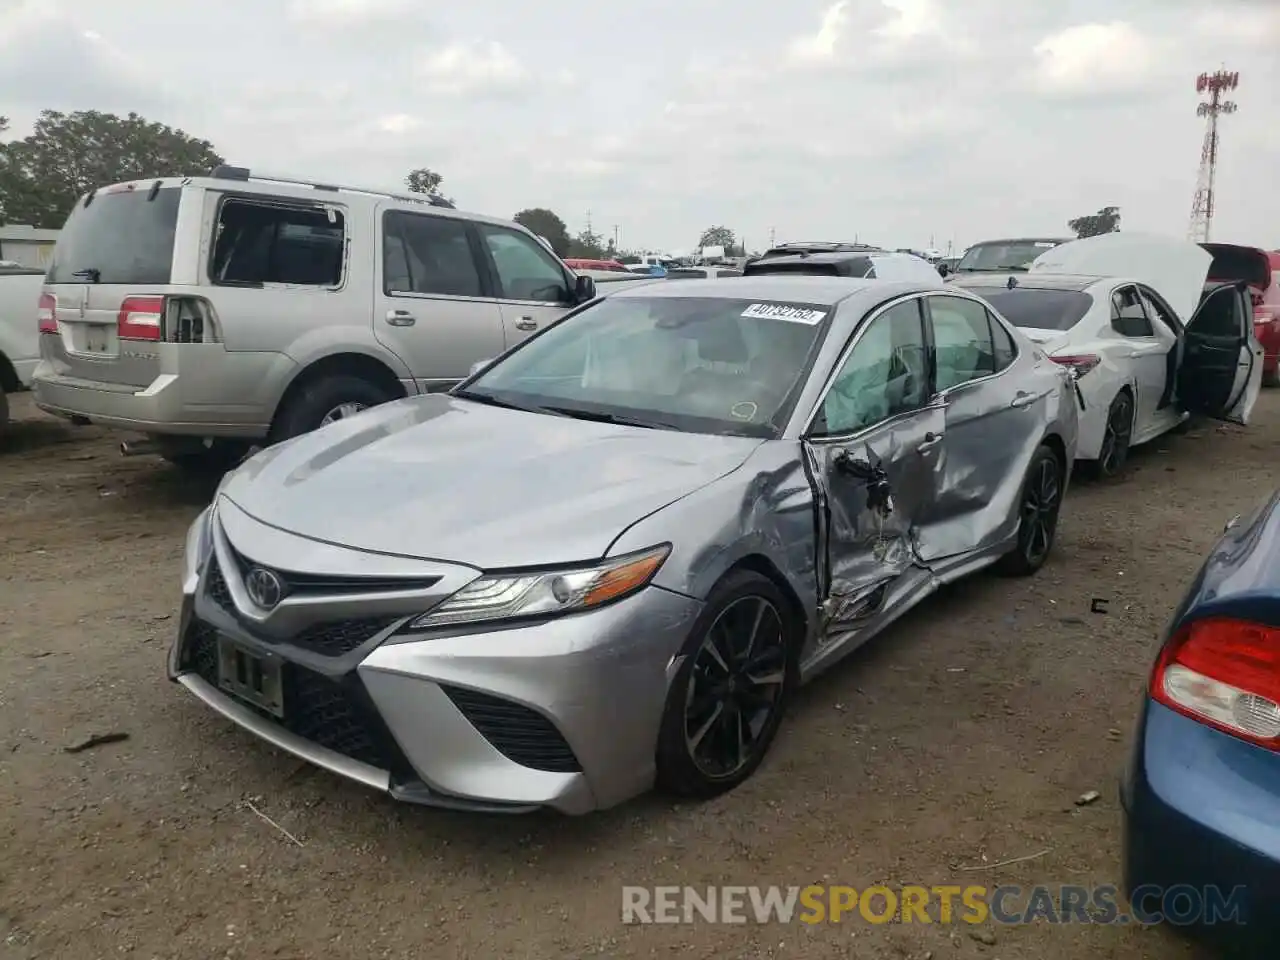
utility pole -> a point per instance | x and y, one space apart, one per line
773 237
615 236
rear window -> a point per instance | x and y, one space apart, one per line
1016 255
1039 309
807 269
122 237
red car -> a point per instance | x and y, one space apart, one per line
1261 269
576 263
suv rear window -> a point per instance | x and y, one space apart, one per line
1016 255
1038 309
120 237
827 269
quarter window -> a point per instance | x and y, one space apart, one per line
526 271
258 243
1128 318
427 254
962 341
885 374
1005 351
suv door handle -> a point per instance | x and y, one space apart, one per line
1021 400
526 323
401 318
931 440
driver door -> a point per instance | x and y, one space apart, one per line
1221 371
534 288
874 449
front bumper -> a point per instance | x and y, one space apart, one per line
1200 813
562 714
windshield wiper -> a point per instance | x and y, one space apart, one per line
92 274
493 401
597 416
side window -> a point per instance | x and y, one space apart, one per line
526 271
962 341
1159 313
1128 317
1005 351
885 374
256 243
424 253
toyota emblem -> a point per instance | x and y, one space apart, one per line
264 588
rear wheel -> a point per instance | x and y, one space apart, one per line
726 701
1038 509
325 401
1116 438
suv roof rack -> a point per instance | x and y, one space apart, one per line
244 174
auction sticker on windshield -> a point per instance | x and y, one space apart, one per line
782 311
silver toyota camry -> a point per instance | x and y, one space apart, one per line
607 559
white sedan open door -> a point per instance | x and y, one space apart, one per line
1221 373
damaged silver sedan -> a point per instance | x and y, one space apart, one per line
608 559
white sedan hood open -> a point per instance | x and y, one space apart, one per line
1176 269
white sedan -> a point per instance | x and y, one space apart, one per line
1111 309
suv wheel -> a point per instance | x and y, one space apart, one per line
324 401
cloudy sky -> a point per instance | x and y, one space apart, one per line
892 121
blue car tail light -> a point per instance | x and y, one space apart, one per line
1225 673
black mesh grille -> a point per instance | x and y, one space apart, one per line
327 639
332 713
521 735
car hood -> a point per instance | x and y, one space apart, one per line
1176 269
442 478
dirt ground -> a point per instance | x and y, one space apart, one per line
958 740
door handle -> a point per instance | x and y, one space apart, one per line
931 440
1021 400
401 318
526 323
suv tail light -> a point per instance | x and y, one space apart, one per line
1224 673
141 318
1079 363
47 313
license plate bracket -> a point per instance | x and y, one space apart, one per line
251 677
96 339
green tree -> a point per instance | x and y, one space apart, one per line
545 223
68 154
4 124
588 245
1106 220
717 237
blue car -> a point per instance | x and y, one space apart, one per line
1201 794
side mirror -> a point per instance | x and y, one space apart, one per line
584 290
943 270
479 366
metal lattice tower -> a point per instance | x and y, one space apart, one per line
1215 87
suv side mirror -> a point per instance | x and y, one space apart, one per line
943 270
584 290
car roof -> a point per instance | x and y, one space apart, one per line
1032 281
820 291
988 243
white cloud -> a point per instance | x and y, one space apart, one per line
473 68
1096 58
348 12
821 45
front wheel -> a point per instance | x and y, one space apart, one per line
1038 510
727 699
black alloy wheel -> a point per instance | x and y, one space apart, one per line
727 700
1116 437
1037 514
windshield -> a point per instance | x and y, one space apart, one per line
1039 309
120 237
697 364
1014 255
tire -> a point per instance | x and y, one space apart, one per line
309 407
1116 440
1028 555
688 769
1271 378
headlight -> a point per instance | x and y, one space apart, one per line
548 593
